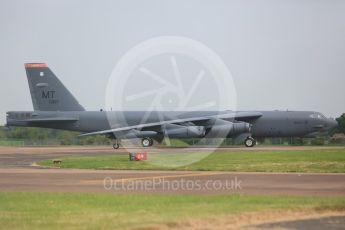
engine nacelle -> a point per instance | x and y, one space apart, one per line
240 127
185 132
228 129
135 134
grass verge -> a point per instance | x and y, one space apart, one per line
109 211
321 161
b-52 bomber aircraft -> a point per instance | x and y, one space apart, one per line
55 107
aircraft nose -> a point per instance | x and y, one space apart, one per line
332 123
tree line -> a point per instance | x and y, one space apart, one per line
42 136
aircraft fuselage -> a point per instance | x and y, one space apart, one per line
270 124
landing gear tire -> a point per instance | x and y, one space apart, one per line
116 146
146 142
250 142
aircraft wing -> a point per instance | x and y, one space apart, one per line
238 116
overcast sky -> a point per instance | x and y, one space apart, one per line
282 54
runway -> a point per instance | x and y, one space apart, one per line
17 173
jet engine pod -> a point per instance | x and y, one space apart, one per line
185 132
228 129
136 134
240 127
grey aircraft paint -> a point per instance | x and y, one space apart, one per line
55 107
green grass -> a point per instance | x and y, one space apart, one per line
5 142
324 160
177 143
114 211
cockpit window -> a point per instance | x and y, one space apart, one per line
317 116
314 115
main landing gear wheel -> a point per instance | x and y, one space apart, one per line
116 144
250 142
146 142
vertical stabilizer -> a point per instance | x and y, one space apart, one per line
47 91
